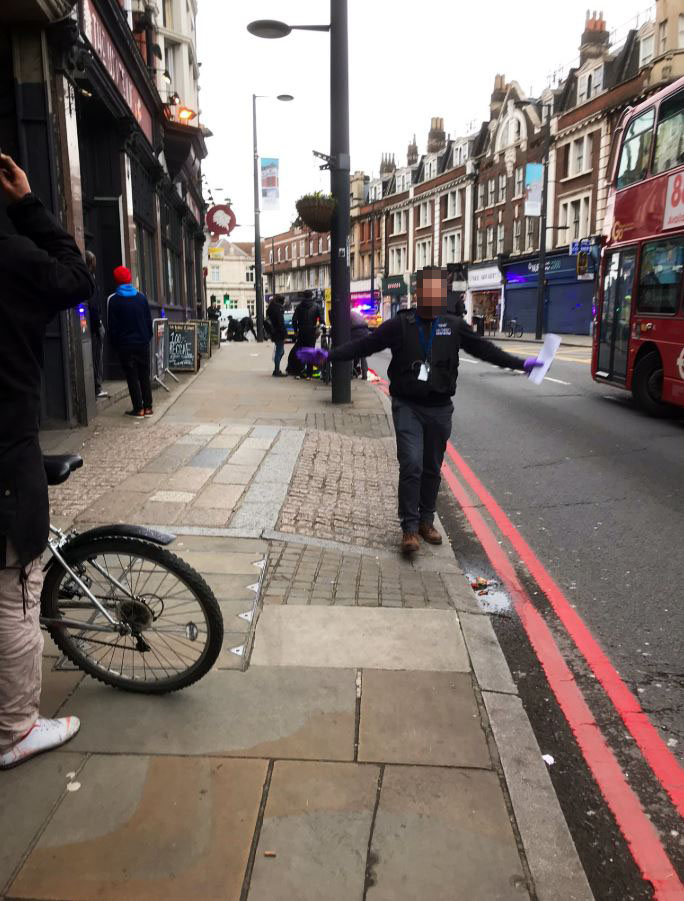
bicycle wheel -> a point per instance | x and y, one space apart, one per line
177 622
519 332
510 331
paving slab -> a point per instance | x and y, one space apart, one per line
210 517
550 850
376 638
461 595
171 829
222 496
489 663
181 497
421 718
233 563
232 474
442 835
29 793
255 516
113 506
210 457
246 456
224 545
144 482
264 712
163 513
56 686
188 478
171 458
317 822
207 428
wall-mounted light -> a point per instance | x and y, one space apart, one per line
185 114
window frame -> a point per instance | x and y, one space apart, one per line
624 140
503 185
678 96
642 253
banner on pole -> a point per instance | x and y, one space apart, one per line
534 175
270 191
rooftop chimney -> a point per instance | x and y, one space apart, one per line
595 37
497 96
436 137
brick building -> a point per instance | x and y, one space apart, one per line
461 204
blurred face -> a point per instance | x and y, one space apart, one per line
431 296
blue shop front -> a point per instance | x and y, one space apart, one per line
568 301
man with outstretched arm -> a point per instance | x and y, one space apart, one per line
425 344
43 272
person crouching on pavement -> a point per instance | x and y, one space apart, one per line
425 344
43 273
130 331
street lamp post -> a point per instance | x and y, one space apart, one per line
258 277
339 175
541 276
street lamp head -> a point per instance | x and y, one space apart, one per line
285 97
269 28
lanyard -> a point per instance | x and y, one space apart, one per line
426 345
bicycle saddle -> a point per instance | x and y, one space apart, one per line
58 467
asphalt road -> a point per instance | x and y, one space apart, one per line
597 490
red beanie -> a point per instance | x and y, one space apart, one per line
122 275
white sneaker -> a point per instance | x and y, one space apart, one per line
44 736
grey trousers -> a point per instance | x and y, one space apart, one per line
21 648
422 434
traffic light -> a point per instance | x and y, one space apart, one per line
226 298
582 263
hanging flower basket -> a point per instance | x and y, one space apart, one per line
316 210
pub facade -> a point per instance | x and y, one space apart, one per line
105 154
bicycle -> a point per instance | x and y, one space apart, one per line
122 608
514 330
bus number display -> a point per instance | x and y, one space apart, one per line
674 202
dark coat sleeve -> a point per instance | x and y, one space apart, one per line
148 318
483 349
112 320
48 259
386 335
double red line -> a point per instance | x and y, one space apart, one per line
632 820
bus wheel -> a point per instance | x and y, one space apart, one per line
647 386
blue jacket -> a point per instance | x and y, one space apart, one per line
129 318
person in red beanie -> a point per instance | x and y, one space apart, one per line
130 330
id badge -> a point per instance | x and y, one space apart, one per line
424 372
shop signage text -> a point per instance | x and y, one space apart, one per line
104 48
489 277
394 285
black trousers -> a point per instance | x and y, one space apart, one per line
135 362
422 434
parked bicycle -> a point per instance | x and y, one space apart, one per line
124 609
514 330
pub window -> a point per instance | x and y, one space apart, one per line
635 149
502 188
516 236
669 149
214 273
519 181
490 240
660 277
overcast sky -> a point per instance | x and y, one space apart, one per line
408 62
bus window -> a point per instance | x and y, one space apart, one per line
660 278
669 149
636 149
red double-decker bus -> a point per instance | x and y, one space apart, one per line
639 324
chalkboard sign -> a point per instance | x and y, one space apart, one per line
203 337
216 332
183 346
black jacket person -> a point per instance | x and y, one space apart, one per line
425 344
43 272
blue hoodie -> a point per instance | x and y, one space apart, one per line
129 318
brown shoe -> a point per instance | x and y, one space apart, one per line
410 543
429 533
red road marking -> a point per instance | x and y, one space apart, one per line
639 832
656 753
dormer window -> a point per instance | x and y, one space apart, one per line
646 50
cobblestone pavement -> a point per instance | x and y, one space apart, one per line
111 454
301 574
344 489
370 425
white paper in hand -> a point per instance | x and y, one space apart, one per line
546 355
